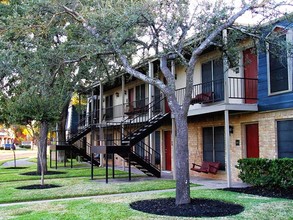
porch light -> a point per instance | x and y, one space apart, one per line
117 94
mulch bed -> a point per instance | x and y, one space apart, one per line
196 208
38 186
263 191
34 173
207 207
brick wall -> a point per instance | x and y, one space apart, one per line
267 122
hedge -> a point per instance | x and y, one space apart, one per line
266 172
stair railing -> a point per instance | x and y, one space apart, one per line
148 154
138 120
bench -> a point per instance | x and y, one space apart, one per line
206 167
136 111
202 98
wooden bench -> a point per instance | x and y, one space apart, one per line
206 167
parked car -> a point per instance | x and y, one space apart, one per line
7 146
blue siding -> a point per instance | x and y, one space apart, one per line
272 102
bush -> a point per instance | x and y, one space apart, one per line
266 172
25 146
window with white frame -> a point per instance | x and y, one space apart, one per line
279 61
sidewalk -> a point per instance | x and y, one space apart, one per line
19 163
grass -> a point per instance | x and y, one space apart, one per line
74 182
118 207
77 183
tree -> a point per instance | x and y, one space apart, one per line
165 29
38 75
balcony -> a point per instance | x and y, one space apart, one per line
210 96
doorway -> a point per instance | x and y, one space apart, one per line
250 73
252 141
168 152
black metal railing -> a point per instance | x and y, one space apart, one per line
213 91
243 88
142 118
137 106
147 153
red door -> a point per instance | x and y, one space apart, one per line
250 73
168 161
252 146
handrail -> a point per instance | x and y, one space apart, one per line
238 89
147 153
139 120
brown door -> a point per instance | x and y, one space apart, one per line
131 99
252 146
168 162
250 73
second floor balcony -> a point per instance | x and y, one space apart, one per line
240 95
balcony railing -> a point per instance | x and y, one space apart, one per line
213 91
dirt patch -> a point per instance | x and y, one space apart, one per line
196 208
38 186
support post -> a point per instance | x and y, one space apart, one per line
113 166
56 159
64 158
106 168
50 158
71 157
173 131
227 148
101 132
129 167
92 166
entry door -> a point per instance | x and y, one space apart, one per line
168 161
131 99
250 72
252 143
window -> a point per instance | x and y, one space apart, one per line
279 63
285 138
213 78
214 145
140 95
109 107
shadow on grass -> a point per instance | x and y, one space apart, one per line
15 168
34 173
38 186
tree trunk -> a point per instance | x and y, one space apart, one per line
61 133
182 160
42 149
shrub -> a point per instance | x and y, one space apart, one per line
266 172
25 146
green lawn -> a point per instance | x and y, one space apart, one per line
112 205
118 207
73 182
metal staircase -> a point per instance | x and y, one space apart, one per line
131 132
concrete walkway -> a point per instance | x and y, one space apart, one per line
19 163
